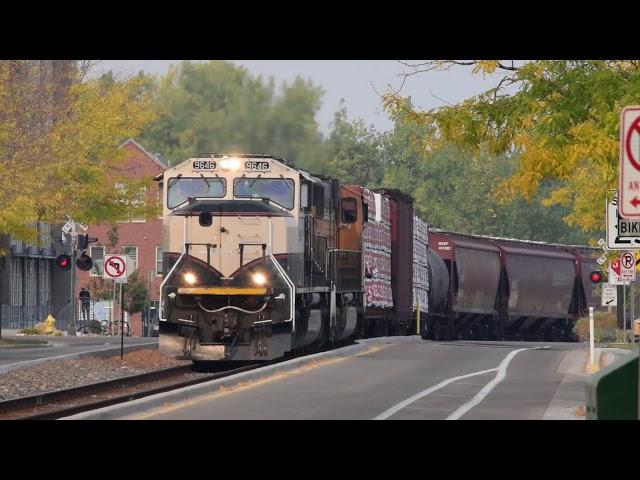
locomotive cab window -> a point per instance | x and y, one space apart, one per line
349 210
179 190
278 190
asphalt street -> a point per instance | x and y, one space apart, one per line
410 381
65 346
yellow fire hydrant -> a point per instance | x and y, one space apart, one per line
51 324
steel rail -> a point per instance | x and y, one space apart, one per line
42 400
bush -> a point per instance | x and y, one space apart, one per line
30 331
605 327
95 326
58 333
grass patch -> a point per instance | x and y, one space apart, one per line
30 331
21 342
626 346
605 328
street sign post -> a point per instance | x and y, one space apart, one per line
615 273
115 268
609 295
630 162
628 267
621 232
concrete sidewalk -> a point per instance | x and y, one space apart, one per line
569 400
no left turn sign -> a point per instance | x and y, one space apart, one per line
115 267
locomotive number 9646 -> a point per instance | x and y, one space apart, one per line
204 165
256 166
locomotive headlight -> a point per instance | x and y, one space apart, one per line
190 278
259 279
230 164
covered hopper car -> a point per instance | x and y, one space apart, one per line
504 288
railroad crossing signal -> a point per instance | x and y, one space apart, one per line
84 262
84 240
63 261
630 162
595 277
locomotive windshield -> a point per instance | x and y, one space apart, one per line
277 190
179 190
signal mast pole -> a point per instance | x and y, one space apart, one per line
71 327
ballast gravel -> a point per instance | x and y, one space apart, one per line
60 374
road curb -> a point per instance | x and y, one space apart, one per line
32 345
145 404
107 352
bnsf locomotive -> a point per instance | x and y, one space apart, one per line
262 259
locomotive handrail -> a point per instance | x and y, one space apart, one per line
164 281
292 289
231 307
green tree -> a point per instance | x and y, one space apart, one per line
59 138
134 294
452 189
218 107
355 152
560 117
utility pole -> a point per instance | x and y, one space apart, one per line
633 301
121 325
147 325
71 327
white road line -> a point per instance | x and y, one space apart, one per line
501 369
502 372
396 408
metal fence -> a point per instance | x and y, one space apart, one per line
23 316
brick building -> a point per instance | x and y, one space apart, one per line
138 238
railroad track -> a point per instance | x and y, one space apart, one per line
62 403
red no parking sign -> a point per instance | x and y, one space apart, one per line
630 163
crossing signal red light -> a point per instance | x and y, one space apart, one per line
595 277
63 261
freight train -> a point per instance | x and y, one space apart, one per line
262 259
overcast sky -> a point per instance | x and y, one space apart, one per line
355 81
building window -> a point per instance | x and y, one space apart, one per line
160 198
97 253
158 261
137 201
45 282
131 252
15 288
30 282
